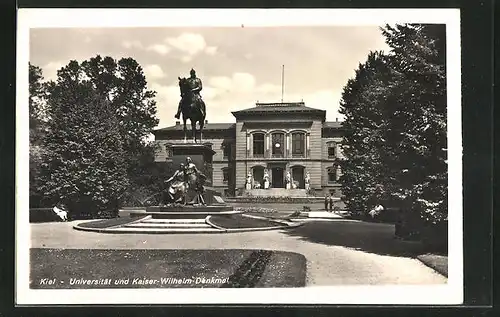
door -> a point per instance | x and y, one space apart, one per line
298 175
277 175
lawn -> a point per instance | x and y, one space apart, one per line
95 268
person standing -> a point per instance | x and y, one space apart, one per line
327 200
331 202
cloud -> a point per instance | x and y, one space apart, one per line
186 58
268 89
159 48
167 99
238 82
211 50
50 69
132 44
154 71
190 43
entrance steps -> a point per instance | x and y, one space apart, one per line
154 225
277 192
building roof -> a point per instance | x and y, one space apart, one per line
226 126
207 127
332 124
278 107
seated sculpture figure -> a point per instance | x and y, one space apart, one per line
178 186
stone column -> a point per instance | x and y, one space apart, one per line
308 150
248 144
268 144
287 153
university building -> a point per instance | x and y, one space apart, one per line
277 137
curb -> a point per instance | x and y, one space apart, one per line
227 230
78 227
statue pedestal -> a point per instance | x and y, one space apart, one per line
307 186
266 184
201 156
248 186
288 186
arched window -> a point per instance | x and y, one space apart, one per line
258 144
298 144
278 144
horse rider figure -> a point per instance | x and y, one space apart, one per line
178 183
196 86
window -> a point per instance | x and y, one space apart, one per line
332 150
226 150
278 144
332 174
298 144
225 175
258 144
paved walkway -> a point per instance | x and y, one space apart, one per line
327 264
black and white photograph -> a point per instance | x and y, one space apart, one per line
288 156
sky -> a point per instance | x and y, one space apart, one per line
239 66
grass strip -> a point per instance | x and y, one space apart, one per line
240 222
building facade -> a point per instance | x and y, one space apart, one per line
273 137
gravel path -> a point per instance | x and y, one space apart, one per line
326 264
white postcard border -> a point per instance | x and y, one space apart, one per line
450 293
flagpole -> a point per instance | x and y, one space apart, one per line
282 82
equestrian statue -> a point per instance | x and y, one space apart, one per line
187 177
191 104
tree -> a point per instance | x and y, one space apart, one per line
417 133
395 109
125 86
362 101
84 165
37 91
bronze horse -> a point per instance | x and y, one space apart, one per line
193 108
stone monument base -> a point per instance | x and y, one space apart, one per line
184 212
